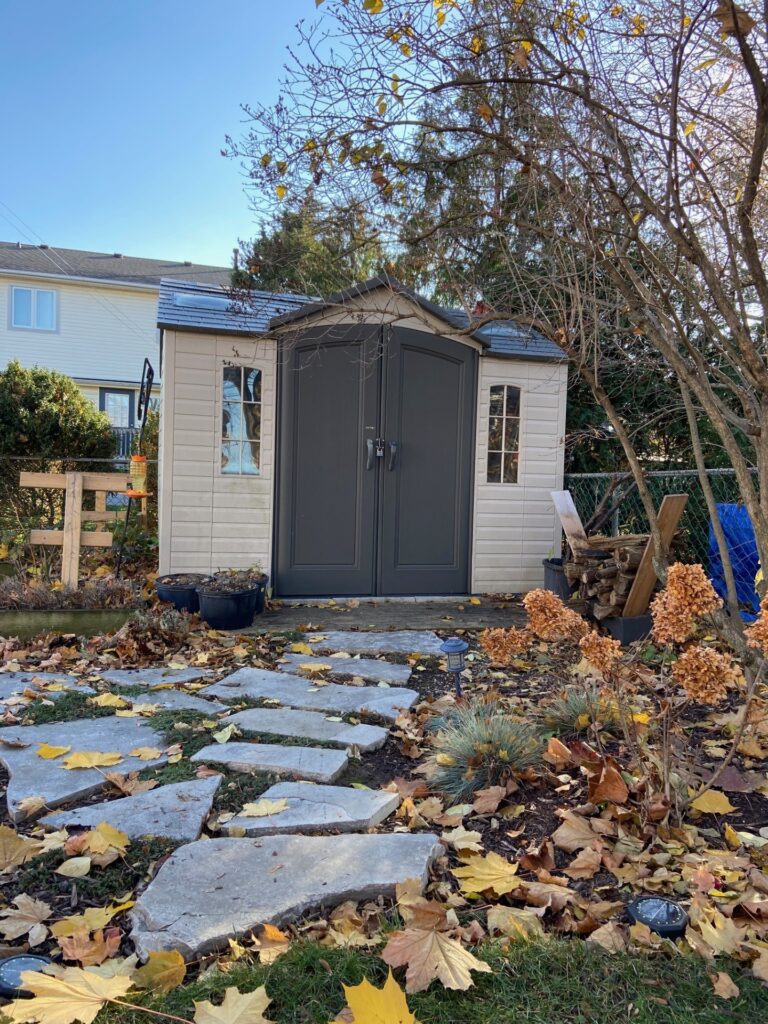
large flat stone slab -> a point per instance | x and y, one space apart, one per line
159 676
31 775
309 725
13 685
175 700
213 890
319 809
364 668
297 692
177 811
313 763
398 641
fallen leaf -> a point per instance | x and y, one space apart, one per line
15 849
608 787
49 753
264 808
26 919
91 919
302 649
610 936
108 700
236 1008
724 986
463 841
713 802
72 995
75 867
487 800
585 865
487 874
271 943
430 954
145 753
91 759
131 784
31 805
574 834
223 735
91 950
515 923
162 972
371 1005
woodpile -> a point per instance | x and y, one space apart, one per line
604 568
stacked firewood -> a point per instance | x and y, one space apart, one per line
604 571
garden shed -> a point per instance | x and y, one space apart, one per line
366 444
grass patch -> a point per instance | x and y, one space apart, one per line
65 709
167 774
238 788
104 884
566 982
185 728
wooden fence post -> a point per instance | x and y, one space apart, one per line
70 552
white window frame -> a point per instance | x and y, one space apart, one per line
220 471
34 293
520 438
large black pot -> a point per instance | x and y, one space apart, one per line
555 578
183 596
234 610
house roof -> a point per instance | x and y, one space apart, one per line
201 308
195 307
16 257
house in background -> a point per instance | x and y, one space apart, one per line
367 444
91 315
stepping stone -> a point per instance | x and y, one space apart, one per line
175 700
400 641
35 776
216 889
172 812
297 692
13 685
319 809
309 725
159 676
365 668
313 763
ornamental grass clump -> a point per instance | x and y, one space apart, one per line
480 746
549 619
580 709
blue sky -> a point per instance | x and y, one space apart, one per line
114 115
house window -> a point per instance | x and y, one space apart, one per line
118 404
503 434
33 309
241 421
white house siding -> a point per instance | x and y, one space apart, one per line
515 525
103 333
210 521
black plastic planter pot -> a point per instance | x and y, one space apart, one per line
232 610
628 630
555 578
183 596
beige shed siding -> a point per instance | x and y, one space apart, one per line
515 525
210 521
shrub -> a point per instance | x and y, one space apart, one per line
579 708
550 619
480 746
25 593
504 645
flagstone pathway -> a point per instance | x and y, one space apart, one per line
275 865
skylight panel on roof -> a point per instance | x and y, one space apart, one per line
197 301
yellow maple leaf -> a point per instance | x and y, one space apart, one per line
237 1008
301 649
91 919
49 753
108 700
75 867
371 1005
162 972
264 808
491 873
15 849
713 802
428 954
112 836
145 753
91 759
72 995
475 600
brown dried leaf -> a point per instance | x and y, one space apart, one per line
428 954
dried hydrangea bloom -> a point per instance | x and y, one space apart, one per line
688 595
705 674
549 619
502 645
601 651
757 633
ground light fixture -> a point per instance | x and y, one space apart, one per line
454 649
12 969
663 916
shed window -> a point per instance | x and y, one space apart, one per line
33 309
503 434
241 421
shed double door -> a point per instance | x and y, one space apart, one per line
375 464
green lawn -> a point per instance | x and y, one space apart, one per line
555 983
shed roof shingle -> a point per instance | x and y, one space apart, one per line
33 259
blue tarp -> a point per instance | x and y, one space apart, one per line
742 548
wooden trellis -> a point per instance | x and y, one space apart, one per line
73 537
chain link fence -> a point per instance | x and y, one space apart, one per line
695 540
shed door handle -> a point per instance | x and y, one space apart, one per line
392 455
371 454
